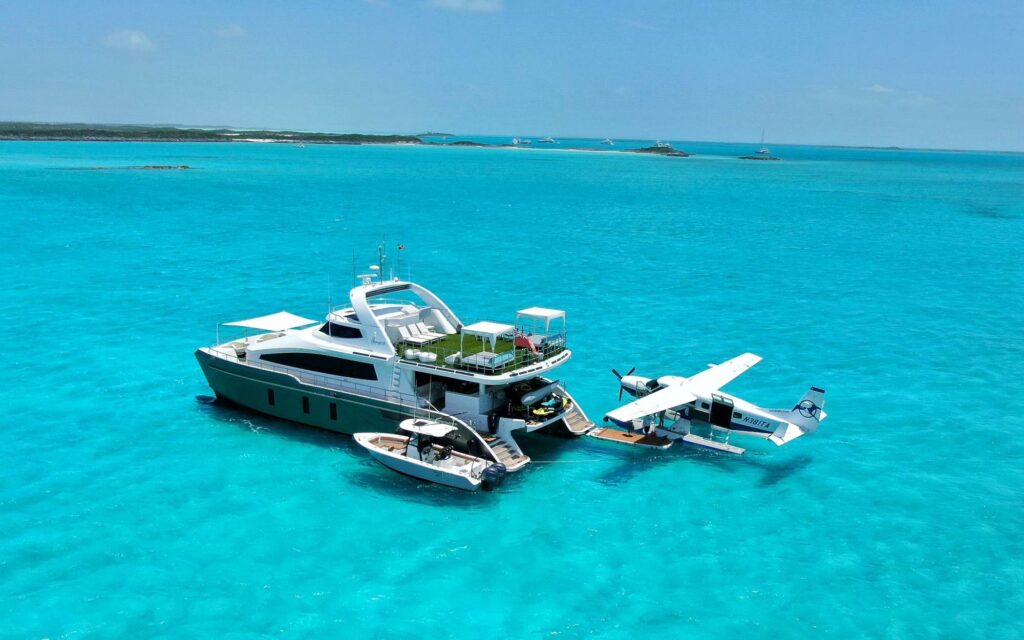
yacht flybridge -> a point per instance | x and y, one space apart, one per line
395 352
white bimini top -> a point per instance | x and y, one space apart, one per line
280 321
426 428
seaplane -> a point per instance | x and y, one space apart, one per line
697 412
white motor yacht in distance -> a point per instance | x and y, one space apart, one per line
396 352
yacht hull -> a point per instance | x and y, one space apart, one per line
282 396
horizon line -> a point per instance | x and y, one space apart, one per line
510 135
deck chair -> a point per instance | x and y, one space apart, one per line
410 338
423 330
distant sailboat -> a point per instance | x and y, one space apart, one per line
764 153
547 140
608 141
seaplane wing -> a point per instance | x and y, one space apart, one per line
720 375
667 398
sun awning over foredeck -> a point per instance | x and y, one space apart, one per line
280 321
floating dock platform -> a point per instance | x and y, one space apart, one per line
635 439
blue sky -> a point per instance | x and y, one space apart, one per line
927 74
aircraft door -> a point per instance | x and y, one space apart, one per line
721 411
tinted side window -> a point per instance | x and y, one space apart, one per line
340 331
324 364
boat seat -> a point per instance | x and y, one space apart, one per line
423 330
412 339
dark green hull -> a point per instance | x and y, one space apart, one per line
282 396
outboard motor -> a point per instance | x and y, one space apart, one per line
493 476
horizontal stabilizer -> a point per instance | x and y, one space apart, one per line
801 419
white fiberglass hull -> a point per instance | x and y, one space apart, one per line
397 461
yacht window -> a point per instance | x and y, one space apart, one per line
737 415
705 405
340 331
334 411
305 404
324 364
270 397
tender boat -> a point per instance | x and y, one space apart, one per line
397 351
426 450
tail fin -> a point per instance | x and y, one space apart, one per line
805 416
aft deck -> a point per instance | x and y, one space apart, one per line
470 353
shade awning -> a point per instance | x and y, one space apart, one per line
541 313
487 329
427 428
490 331
279 321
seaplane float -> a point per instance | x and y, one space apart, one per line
694 410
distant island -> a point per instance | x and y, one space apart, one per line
661 150
134 133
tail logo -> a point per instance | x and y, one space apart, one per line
808 409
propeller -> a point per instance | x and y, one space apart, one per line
620 376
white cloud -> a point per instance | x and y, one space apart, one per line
230 31
129 39
469 6
877 88
636 24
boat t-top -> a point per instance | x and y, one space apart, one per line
426 450
395 352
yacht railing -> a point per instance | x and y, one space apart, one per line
521 357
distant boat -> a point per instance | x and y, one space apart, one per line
662 145
519 141
764 153
608 141
547 140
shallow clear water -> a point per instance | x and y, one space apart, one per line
893 279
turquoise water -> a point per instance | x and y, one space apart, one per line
893 279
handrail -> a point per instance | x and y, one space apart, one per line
522 359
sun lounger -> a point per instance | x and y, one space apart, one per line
423 330
413 339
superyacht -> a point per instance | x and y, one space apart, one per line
395 352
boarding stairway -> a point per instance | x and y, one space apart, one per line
576 421
509 455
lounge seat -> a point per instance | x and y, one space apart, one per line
422 329
412 339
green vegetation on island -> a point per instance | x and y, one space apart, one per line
167 133
660 150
